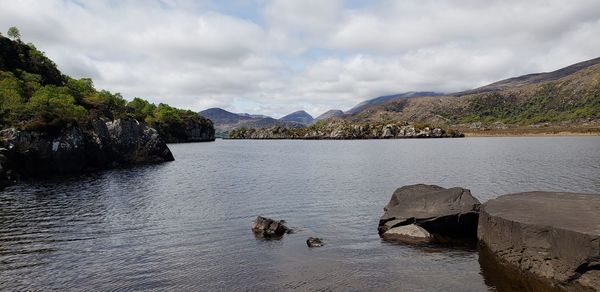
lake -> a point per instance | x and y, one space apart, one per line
185 225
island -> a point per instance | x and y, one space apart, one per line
53 124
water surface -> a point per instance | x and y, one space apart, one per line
184 225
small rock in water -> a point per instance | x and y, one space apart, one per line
269 228
314 242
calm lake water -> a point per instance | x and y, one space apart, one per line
185 225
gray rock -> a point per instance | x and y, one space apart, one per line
554 236
449 213
314 242
133 143
411 234
389 131
269 228
426 132
410 131
74 148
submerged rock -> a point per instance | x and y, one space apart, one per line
314 242
444 213
269 228
411 234
554 236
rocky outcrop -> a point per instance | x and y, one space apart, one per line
342 130
269 228
75 148
553 236
5 174
445 214
314 242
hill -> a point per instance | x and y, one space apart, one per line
330 114
301 117
382 99
35 95
225 121
52 124
567 99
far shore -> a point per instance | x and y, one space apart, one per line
532 132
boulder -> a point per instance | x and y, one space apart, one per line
410 131
269 228
552 236
133 143
444 213
314 242
411 234
389 131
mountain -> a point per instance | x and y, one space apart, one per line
567 99
252 115
225 121
301 117
221 116
381 99
330 114
533 78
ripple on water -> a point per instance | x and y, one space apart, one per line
184 225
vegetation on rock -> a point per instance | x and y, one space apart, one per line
34 95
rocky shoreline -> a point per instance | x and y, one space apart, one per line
342 130
553 239
75 149
534 241
550 236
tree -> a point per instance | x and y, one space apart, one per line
14 33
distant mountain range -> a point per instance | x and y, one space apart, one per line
568 95
225 121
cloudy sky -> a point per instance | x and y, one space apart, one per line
275 57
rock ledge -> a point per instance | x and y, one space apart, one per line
554 236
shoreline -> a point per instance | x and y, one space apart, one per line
533 133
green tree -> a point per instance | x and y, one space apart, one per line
14 33
56 101
80 88
142 109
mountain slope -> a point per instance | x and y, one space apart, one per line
565 98
533 78
225 121
382 99
221 116
330 114
301 117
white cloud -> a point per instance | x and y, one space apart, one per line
275 57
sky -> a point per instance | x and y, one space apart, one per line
276 57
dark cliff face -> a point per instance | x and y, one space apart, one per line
75 148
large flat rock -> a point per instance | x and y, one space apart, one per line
450 213
554 236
